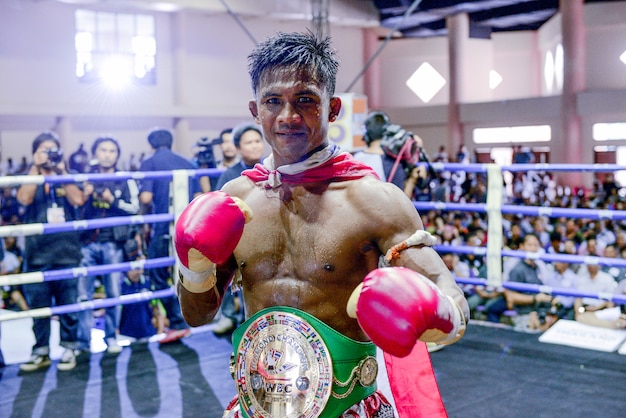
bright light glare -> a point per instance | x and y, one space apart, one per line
115 72
426 82
512 134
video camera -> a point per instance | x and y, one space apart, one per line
400 144
204 156
55 156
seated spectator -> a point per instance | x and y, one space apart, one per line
488 297
539 228
613 317
476 263
572 231
515 236
561 307
450 236
610 251
527 270
456 267
593 280
622 275
556 243
570 247
590 246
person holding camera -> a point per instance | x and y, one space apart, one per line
104 246
51 203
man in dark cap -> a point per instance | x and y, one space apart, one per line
156 194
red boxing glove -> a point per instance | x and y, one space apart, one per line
396 306
207 232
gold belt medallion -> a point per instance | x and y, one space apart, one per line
282 368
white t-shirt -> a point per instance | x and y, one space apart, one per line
602 283
373 160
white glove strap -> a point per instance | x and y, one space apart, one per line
197 281
458 320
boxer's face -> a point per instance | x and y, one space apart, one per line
294 110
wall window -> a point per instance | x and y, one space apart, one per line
115 48
512 134
609 131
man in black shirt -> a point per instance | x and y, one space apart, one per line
156 193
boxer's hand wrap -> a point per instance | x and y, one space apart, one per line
207 232
396 306
420 237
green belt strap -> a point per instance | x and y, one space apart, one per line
345 353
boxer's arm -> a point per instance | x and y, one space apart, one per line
401 222
206 234
410 311
199 308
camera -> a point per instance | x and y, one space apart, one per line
99 188
554 310
205 156
55 156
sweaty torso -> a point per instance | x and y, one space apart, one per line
306 248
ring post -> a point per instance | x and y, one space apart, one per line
494 227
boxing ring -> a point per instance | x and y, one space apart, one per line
493 252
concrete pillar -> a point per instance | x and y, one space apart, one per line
458 32
574 70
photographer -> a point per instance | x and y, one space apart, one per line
51 203
373 155
417 185
393 152
104 246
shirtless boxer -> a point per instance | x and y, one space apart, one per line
307 236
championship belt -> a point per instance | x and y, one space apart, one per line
287 363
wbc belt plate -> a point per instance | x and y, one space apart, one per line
282 368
